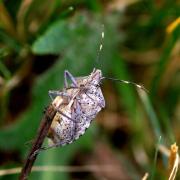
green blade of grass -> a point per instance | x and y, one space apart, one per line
155 159
150 113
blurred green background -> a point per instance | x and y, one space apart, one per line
40 39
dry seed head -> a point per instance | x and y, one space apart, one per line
174 148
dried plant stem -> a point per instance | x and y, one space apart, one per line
42 132
173 161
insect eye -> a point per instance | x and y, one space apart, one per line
97 85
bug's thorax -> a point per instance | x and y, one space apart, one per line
92 80
84 83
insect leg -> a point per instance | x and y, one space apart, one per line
68 75
44 149
73 133
60 112
53 94
76 115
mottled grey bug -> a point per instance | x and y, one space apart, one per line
77 105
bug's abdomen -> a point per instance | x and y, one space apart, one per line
61 130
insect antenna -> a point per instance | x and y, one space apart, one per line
126 82
97 62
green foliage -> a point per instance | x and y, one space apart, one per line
39 40
54 41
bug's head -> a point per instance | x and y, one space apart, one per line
96 77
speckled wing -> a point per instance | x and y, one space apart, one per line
87 107
62 128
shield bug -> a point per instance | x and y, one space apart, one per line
77 105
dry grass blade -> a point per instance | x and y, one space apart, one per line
173 25
145 177
151 113
173 161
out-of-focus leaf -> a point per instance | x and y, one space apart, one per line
55 40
